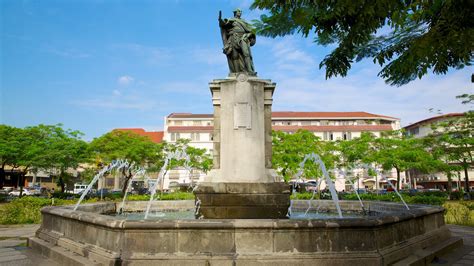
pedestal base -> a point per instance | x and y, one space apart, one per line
243 200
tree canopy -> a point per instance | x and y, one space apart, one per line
289 150
44 147
407 38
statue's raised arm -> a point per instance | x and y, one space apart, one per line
237 37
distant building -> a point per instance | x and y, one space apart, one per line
329 126
422 129
155 136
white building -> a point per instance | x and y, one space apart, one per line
198 128
421 129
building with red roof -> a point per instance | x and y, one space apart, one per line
155 136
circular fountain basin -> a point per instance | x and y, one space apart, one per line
390 233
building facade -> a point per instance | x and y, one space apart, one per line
439 180
329 126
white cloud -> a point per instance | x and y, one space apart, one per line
366 92
125 80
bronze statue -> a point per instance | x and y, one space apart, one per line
237 37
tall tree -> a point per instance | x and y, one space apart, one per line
10 148
455 139
421 35
401 152
128 146
64 150
289 151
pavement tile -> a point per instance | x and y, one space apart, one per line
3 250
12 258
11 242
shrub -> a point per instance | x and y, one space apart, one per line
458 213
179 195
26 210
458 195
64 195
429 200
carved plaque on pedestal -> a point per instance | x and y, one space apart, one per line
242 116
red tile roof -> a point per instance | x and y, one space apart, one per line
155 136
434 118
189 115
334 128
292 114
292 128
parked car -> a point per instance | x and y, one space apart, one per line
311 185
79 188
26 192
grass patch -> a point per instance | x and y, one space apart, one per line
26 210
459 212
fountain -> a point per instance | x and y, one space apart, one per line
242 207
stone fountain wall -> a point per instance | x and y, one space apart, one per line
89 237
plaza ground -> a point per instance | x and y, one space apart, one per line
14 250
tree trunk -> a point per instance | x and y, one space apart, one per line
398 179
2 177
61 183
125 183
21 183
466 180
450 182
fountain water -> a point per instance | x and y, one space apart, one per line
353 186
317 159
366 166
177 155
116 164
137 172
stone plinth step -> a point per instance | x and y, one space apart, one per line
426 256
242 200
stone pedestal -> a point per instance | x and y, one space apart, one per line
242 183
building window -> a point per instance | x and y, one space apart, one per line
196 123
415 131
324 122
195 136
174 136
325 136
208 123
211 136
331 136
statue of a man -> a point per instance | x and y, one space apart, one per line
238 36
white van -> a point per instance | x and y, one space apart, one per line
79 188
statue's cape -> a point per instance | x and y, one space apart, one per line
242 23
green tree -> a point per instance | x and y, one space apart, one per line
63 150
199 159
421 35
40 147
401 152
10 148
454 138
289 151
356 151
128 146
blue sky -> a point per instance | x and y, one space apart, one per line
96 65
